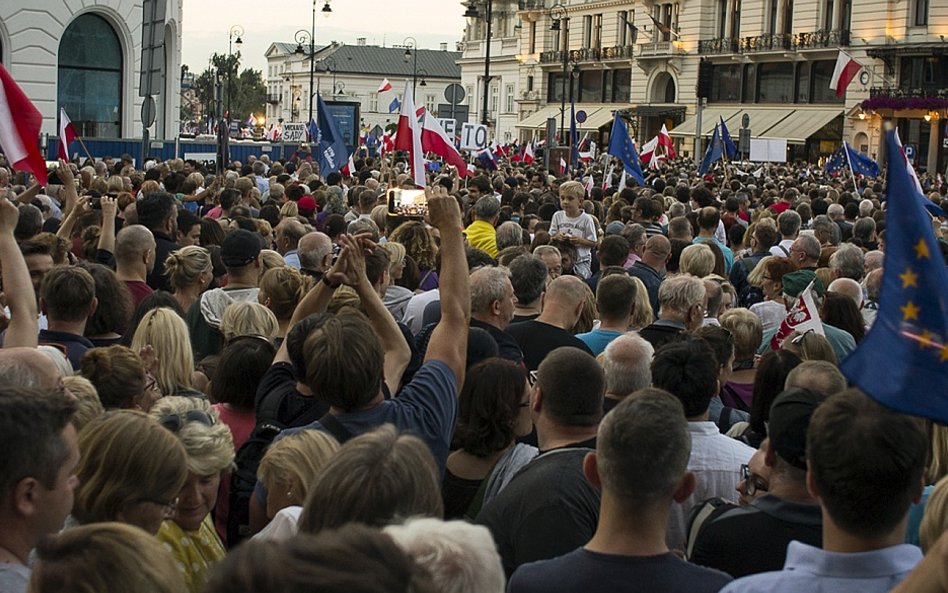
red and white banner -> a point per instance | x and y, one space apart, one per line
803 317
844 73
434 139
408 137
20 123
67 134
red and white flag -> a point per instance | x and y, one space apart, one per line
665 140
607 178
349 168
528 155
67 134
385 86
562 166
434 139
408 137
387 144
803 317
844 73
20 123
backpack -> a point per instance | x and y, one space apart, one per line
750 295
243 480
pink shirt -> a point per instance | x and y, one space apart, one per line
241 425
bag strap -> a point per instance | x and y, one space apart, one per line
335 428
784 249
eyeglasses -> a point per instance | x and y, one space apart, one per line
752 482
168 506
175 422
532 378
800 337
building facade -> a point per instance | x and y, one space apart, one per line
354 73
771 60
86 58
503 88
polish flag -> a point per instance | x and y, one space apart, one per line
607 178
408 136
562 166
385 86
387 144
67 134
665 140
528 154
844 73
803 317
349 168
20 123
434 139
648 150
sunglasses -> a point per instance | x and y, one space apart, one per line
175 422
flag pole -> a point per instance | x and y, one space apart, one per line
83 145
850 162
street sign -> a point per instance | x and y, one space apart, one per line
580 116
149 111
294 132
746 121
910 152
454 93
459 113
473 137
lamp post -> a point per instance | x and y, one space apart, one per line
302 36
238 32
329 65
411 44
561 23
473 13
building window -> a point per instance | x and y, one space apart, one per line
776 82
772 16
587 30
494 99
430 103
373 103
90 77
621 85
665 18
722 19
533 37
469 96
530 83
828 24
622 34
821 72
749 83
597 31
590 86
736 19
846 15
726 84
921 13
788 18
803 83
509 99
556 37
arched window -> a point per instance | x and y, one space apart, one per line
90 77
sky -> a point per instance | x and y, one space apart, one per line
381 22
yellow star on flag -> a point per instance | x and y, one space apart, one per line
910 311
922 249
909 278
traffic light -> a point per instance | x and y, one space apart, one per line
705 78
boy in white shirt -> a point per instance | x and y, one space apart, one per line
573 225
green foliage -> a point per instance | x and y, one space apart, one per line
245 89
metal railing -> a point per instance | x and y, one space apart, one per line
775 42
924 92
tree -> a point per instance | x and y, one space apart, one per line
251 95
246 90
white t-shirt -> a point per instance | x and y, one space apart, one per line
582 226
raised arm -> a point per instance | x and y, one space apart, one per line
24 326
70 193
107 235
29 193
449 340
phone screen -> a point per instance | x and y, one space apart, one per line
410 203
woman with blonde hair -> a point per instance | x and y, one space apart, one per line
747 331
288 470
281 289
189 533
189 272
396 297
105 558
247 318
271 259
697 260
167 334
88 406
289 210
129 471
642 308
421 247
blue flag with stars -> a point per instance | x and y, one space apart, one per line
903 361
729 148
714 152
860 163
835 162
621 147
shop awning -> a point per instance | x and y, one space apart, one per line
601 117
538 119
761 120
597 115
799 125
709 117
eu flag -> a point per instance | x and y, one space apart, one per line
903 362
729 148
331 151
836 162
621 147
714 152
860 163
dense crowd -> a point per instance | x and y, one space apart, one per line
264 379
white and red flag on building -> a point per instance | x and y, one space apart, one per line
67 134
20 123
408 137
844 73
385 86
802 317
434 139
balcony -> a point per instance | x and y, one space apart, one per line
719 46
273 98
775 42
924 92
531 4
768 42
617 52
821 39
587 54
657 49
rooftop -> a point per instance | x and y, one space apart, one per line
382 61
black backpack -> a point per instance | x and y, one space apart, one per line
750 294
243 480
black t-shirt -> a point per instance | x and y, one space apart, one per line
547 510
457 495
537 339
506 344
583 570
753 539
279 381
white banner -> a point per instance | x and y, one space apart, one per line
473 137
294 132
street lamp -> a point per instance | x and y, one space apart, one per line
238 32
329 65
412 56
561 23
423 74
302 37
473 13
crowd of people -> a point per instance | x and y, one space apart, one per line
265 379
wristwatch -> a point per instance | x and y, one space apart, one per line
329 283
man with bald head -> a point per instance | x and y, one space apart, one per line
651 268
561 306
288 235
315 254
848 287
135 259
29 367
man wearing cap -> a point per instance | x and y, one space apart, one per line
722 534
240 253
795 283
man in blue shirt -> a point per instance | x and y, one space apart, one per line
865 467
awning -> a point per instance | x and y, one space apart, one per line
538 119
800 125
709 117
602 117
761 120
